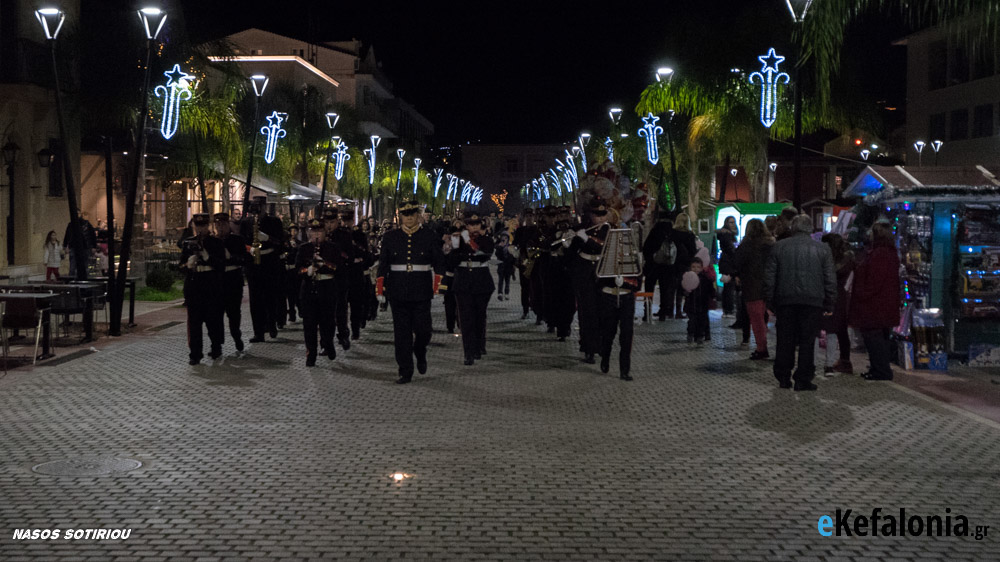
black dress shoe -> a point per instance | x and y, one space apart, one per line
477 355
625 377
311 360
605 364
805 386
538 322
482 352
758 355
355 336
239 344
784 384
469 361
194 361
331 353
422 366
257 339
589 359
552 329
281 327
524 316
274 333
345 343
404 380
562 338
215 354
872 377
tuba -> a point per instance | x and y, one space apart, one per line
620 256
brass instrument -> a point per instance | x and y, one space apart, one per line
255 246
620 256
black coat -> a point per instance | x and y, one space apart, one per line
422 247
474 280
750 261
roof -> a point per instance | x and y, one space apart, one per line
878 183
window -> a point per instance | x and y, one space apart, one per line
937 60
983 61
936 129
959 124
982 121
56 170
958 69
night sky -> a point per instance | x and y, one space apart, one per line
542 71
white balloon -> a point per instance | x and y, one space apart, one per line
689 281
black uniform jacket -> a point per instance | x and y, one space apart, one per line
235 252
422 247
328 251
200 276
475 280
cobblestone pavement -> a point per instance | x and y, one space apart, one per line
529 455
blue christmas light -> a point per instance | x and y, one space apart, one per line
651 131
176 90
341 156
477 195
556 184
609 145
438 174
769 77
416 172
452 187
584 137
466 191
273 131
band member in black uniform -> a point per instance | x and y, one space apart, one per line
473 284
291 280
316 263
587 252
527 239
342 238
450 302
264 270
616 309
203 258
362 259
561 298
232 276
410 258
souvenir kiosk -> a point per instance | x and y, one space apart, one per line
947 225
743 213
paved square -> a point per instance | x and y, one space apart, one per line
530 455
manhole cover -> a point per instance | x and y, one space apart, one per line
87 466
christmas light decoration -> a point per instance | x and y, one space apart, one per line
340 156
609 145
769 78
176 90
584 137
273 132
651 131
416 172
438 174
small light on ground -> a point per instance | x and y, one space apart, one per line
400 476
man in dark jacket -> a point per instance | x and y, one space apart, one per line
659 263
800 285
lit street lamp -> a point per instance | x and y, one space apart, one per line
799 9
370 153
936 145
584 137
919 147
400 153
331 122
416 173
259 82
52 20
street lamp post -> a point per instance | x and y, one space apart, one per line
52 20
370 153
399 152
919 147
259 82
9 158
331 122
416 174
584 137
799 9
936 145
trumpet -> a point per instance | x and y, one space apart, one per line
572 233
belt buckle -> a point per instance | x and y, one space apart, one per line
409 268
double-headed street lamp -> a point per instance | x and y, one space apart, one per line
259 82
799 10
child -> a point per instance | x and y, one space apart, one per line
699 301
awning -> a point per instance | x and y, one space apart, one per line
886 183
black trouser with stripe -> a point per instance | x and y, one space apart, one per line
232 301
356 297
472 312
204 308
319 309
411 327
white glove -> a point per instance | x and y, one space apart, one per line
381 299
228 255
582 234
465 236
263 236
311 271
204 255
192 262
726 278
454 241
566 242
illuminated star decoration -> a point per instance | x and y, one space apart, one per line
416 173
609 145
341 156
651 131
769 77
273 131
176 90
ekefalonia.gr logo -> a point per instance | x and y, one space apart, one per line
883 523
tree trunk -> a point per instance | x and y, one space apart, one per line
694 199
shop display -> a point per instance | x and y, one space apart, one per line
978 266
